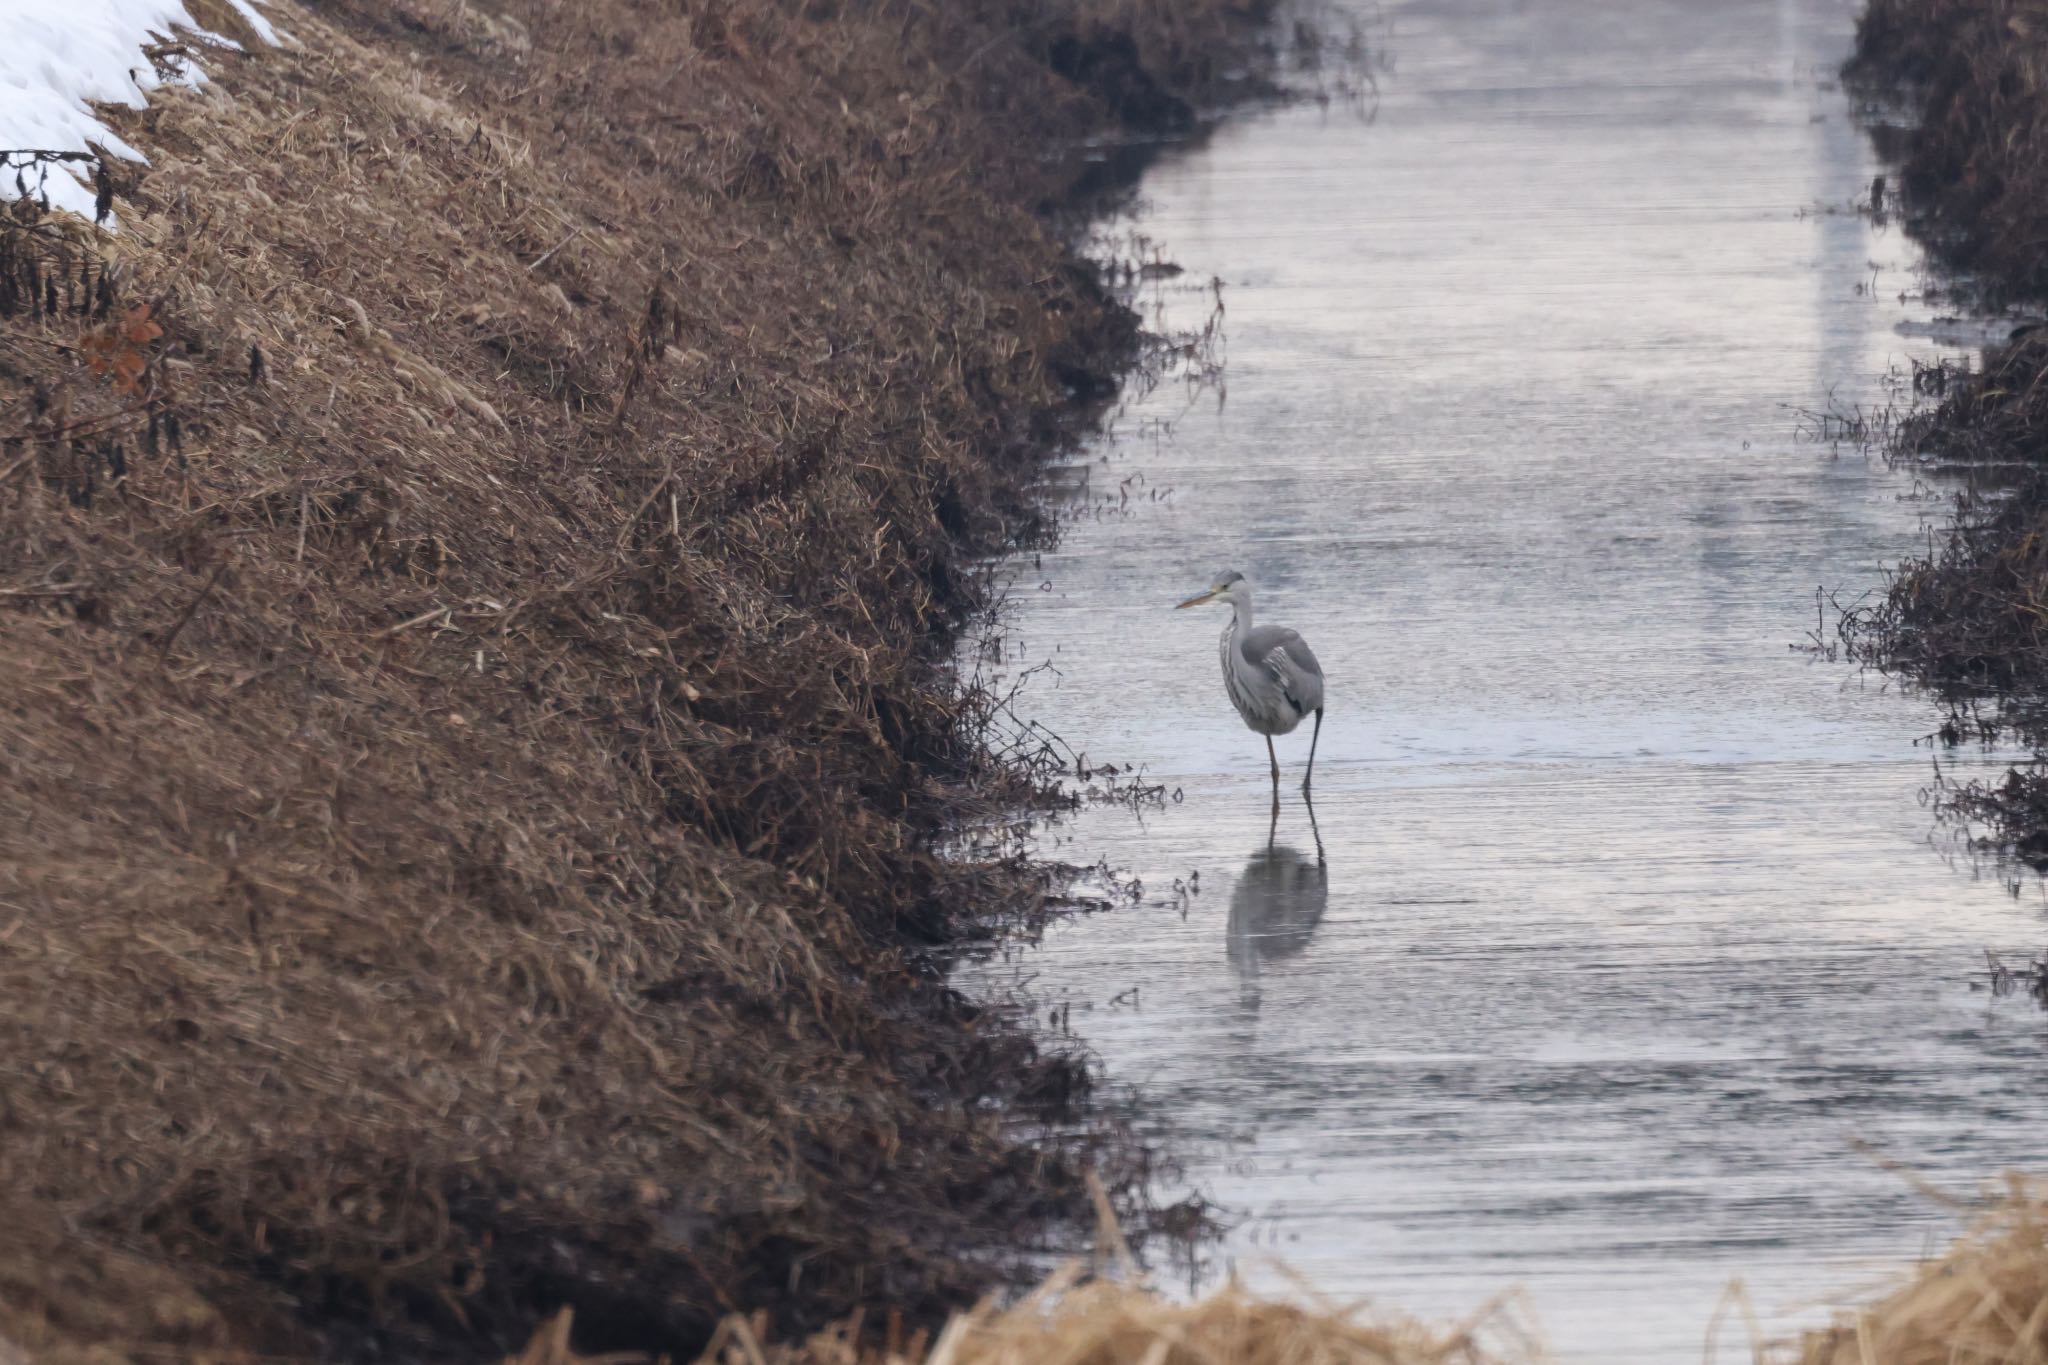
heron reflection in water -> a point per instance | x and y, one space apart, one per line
1276 905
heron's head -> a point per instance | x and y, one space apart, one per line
1228 587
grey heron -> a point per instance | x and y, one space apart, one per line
1271 674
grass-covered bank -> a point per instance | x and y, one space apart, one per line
1971 619
474 552
1974 163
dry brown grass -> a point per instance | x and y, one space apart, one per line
1985 1302
1098 1322
1107 1322
1112 1316
470 731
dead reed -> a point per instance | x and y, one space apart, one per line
1112 1322
1985 1300
1110 1315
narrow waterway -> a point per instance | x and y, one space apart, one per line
1629 962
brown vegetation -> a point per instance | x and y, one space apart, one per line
1973 616
1975 178
1984 1300
1111 1316
1971 619
1113 1322
472 548
1976 163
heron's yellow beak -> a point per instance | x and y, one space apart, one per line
1198 599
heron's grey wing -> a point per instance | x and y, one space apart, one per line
1291 663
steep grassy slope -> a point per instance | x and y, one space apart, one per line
471 555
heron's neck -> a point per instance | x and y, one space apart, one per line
1241 613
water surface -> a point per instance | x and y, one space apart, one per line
1628 931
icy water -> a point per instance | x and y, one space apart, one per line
1630 961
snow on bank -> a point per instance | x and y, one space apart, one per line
57 54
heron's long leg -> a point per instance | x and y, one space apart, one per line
1273 759
1310 777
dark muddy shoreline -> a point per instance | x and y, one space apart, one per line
475 713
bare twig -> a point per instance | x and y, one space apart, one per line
545 255
164 653
404 626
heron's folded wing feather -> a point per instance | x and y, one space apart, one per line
1292 664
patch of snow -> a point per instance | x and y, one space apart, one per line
57 54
